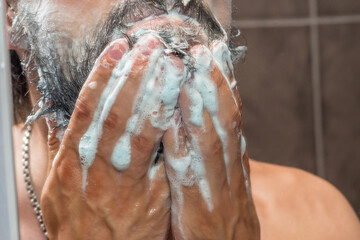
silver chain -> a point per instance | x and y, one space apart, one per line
27 177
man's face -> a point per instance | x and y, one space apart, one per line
79 17
75 18
64 38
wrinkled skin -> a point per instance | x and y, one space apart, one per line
128 204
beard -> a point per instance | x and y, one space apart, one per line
63 63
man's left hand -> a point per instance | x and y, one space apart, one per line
205 155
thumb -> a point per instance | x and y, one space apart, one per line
176 152
174 138
55 135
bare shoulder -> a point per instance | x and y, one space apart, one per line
294 204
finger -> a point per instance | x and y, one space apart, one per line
124 109
114 110
139 124
95 87
55 136
213 136
205 144
178 168
222 59
176 152
158 188
159 184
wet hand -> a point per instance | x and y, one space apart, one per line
104 183
205 155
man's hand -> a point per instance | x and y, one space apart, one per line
205 160
205 155
94 200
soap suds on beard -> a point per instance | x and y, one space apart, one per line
61 79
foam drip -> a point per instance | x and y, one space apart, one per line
203 84
89 142
222 56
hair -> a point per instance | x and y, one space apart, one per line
21 99
72 77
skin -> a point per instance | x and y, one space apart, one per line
103 212
274 205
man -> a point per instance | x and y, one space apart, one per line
159 80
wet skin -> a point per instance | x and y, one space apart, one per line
64 180
140 206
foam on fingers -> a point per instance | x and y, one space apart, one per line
89 142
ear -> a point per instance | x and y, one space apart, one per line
9 17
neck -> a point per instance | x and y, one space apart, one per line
38 155
39 135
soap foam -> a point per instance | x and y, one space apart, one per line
89 142
222 57
208 91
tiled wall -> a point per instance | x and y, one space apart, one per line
300 86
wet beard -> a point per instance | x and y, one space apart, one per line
63 64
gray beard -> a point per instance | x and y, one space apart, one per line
63 65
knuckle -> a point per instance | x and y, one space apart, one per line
63 172
67 171
82 110
112 121
103 72
142 144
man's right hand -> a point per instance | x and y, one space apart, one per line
114 204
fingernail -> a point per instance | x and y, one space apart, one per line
149 43
153 44
117 51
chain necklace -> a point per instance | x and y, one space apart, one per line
27 177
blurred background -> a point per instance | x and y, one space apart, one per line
300 86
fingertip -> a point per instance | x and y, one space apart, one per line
113 53
200 50
177 63
148 43
118 48
218 44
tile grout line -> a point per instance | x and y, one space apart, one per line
316 87
297 22
313 21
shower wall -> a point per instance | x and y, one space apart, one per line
300 86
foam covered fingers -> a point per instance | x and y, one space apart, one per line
199 104
143 103
229 109
176 151
211 119
93 89
120 118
